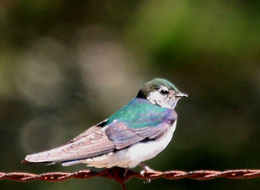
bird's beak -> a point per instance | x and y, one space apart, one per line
180 95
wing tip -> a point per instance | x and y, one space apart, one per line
29 161
24 161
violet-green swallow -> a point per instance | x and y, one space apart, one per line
137 132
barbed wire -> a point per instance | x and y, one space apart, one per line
121 176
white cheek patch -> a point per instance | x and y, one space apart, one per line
153 96
156 97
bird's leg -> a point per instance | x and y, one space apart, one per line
125 173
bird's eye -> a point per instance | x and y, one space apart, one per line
163 91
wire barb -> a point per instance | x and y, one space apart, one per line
120 176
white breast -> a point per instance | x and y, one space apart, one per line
134 155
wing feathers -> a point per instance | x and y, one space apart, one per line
99 140
91 143
122 136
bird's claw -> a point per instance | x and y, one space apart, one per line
142 172
147 181
145 170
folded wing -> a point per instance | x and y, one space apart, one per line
122 136
91 143
108 137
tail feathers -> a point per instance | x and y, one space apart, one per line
62 154
49 157
24 161
76 151
34 159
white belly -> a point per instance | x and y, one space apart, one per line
134 155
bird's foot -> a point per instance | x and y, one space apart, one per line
146 169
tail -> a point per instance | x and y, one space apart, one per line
47 157
77 150
25 161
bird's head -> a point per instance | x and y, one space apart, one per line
161 92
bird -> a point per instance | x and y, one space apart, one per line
137 132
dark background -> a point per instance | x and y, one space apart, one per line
66 65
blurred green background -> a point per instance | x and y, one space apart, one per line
66 65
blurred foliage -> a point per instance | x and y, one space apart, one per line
66 65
